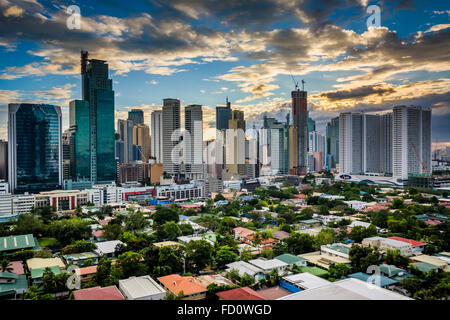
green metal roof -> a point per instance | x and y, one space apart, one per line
39 273
290 258
424 267
8 275
19 242
18 286
383 281
391 270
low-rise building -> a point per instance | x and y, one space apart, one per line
244 293
80 258
141 288
12 285
191 288
267 266
383 244
376 279
107 248
86 273
304 281
11 244
98 293
290 259
336 249
355 204
246 268
324 261
417 246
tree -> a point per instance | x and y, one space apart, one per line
130 264
398 204
112 231
164 214
172 257
135 221
272 279
171 230
43 253
32 293
23 255
300 243
305 214
70 230
363 257
246 280
199 254
280 248
233 275
358 233
29 223
246 254
338 271
52 283
326 236
395 258
103 272
186 229
79 246
219 197
5 266
225 255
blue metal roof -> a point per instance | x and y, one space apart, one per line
382 280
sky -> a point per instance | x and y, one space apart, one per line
203 51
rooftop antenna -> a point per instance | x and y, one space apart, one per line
303 85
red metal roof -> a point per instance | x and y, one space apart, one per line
86 270
413 243
99 293
244 293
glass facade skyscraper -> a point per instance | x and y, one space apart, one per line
137 116
98 108
35 147
79 140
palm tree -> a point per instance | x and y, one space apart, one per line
5 266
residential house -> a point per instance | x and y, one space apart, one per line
188 286
12 285
302 281
336 249
98 293
246 268
86 274
79 259
281 235
404 248
141 288
267 266
244 293
107 248
417 246
290 259
376 279
324 260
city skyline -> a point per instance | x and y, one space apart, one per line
347 68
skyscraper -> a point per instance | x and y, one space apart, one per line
156 137
351 143
235 144
171 126
411 131
125 128
80 148
371 143
300 115
35 147
141 138
3 160
277 144
193 148
223 114
137 116
99 96
386 143
332 134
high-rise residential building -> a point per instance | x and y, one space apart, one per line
94 122
156 137
171 136
235 144
278 144
300 116
411 132
386 143
351 143
137 116
141 138
3 160
316 146
125 129
332 135
193 141
311 125
371 143
293 149
35 147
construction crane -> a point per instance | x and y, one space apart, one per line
295 82
422 163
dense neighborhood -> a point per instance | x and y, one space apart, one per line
318 239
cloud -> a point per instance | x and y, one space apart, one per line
13 11
438 27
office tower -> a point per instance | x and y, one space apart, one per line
171 127
120 156
235 144
300 116
251 151
80 148
332 135
371 143
223 114
98 93
137 116
411 132
316 146
141 138
156 137
193 141
66 158
125 129
35 147
3 160
351 143
386 143
311 125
